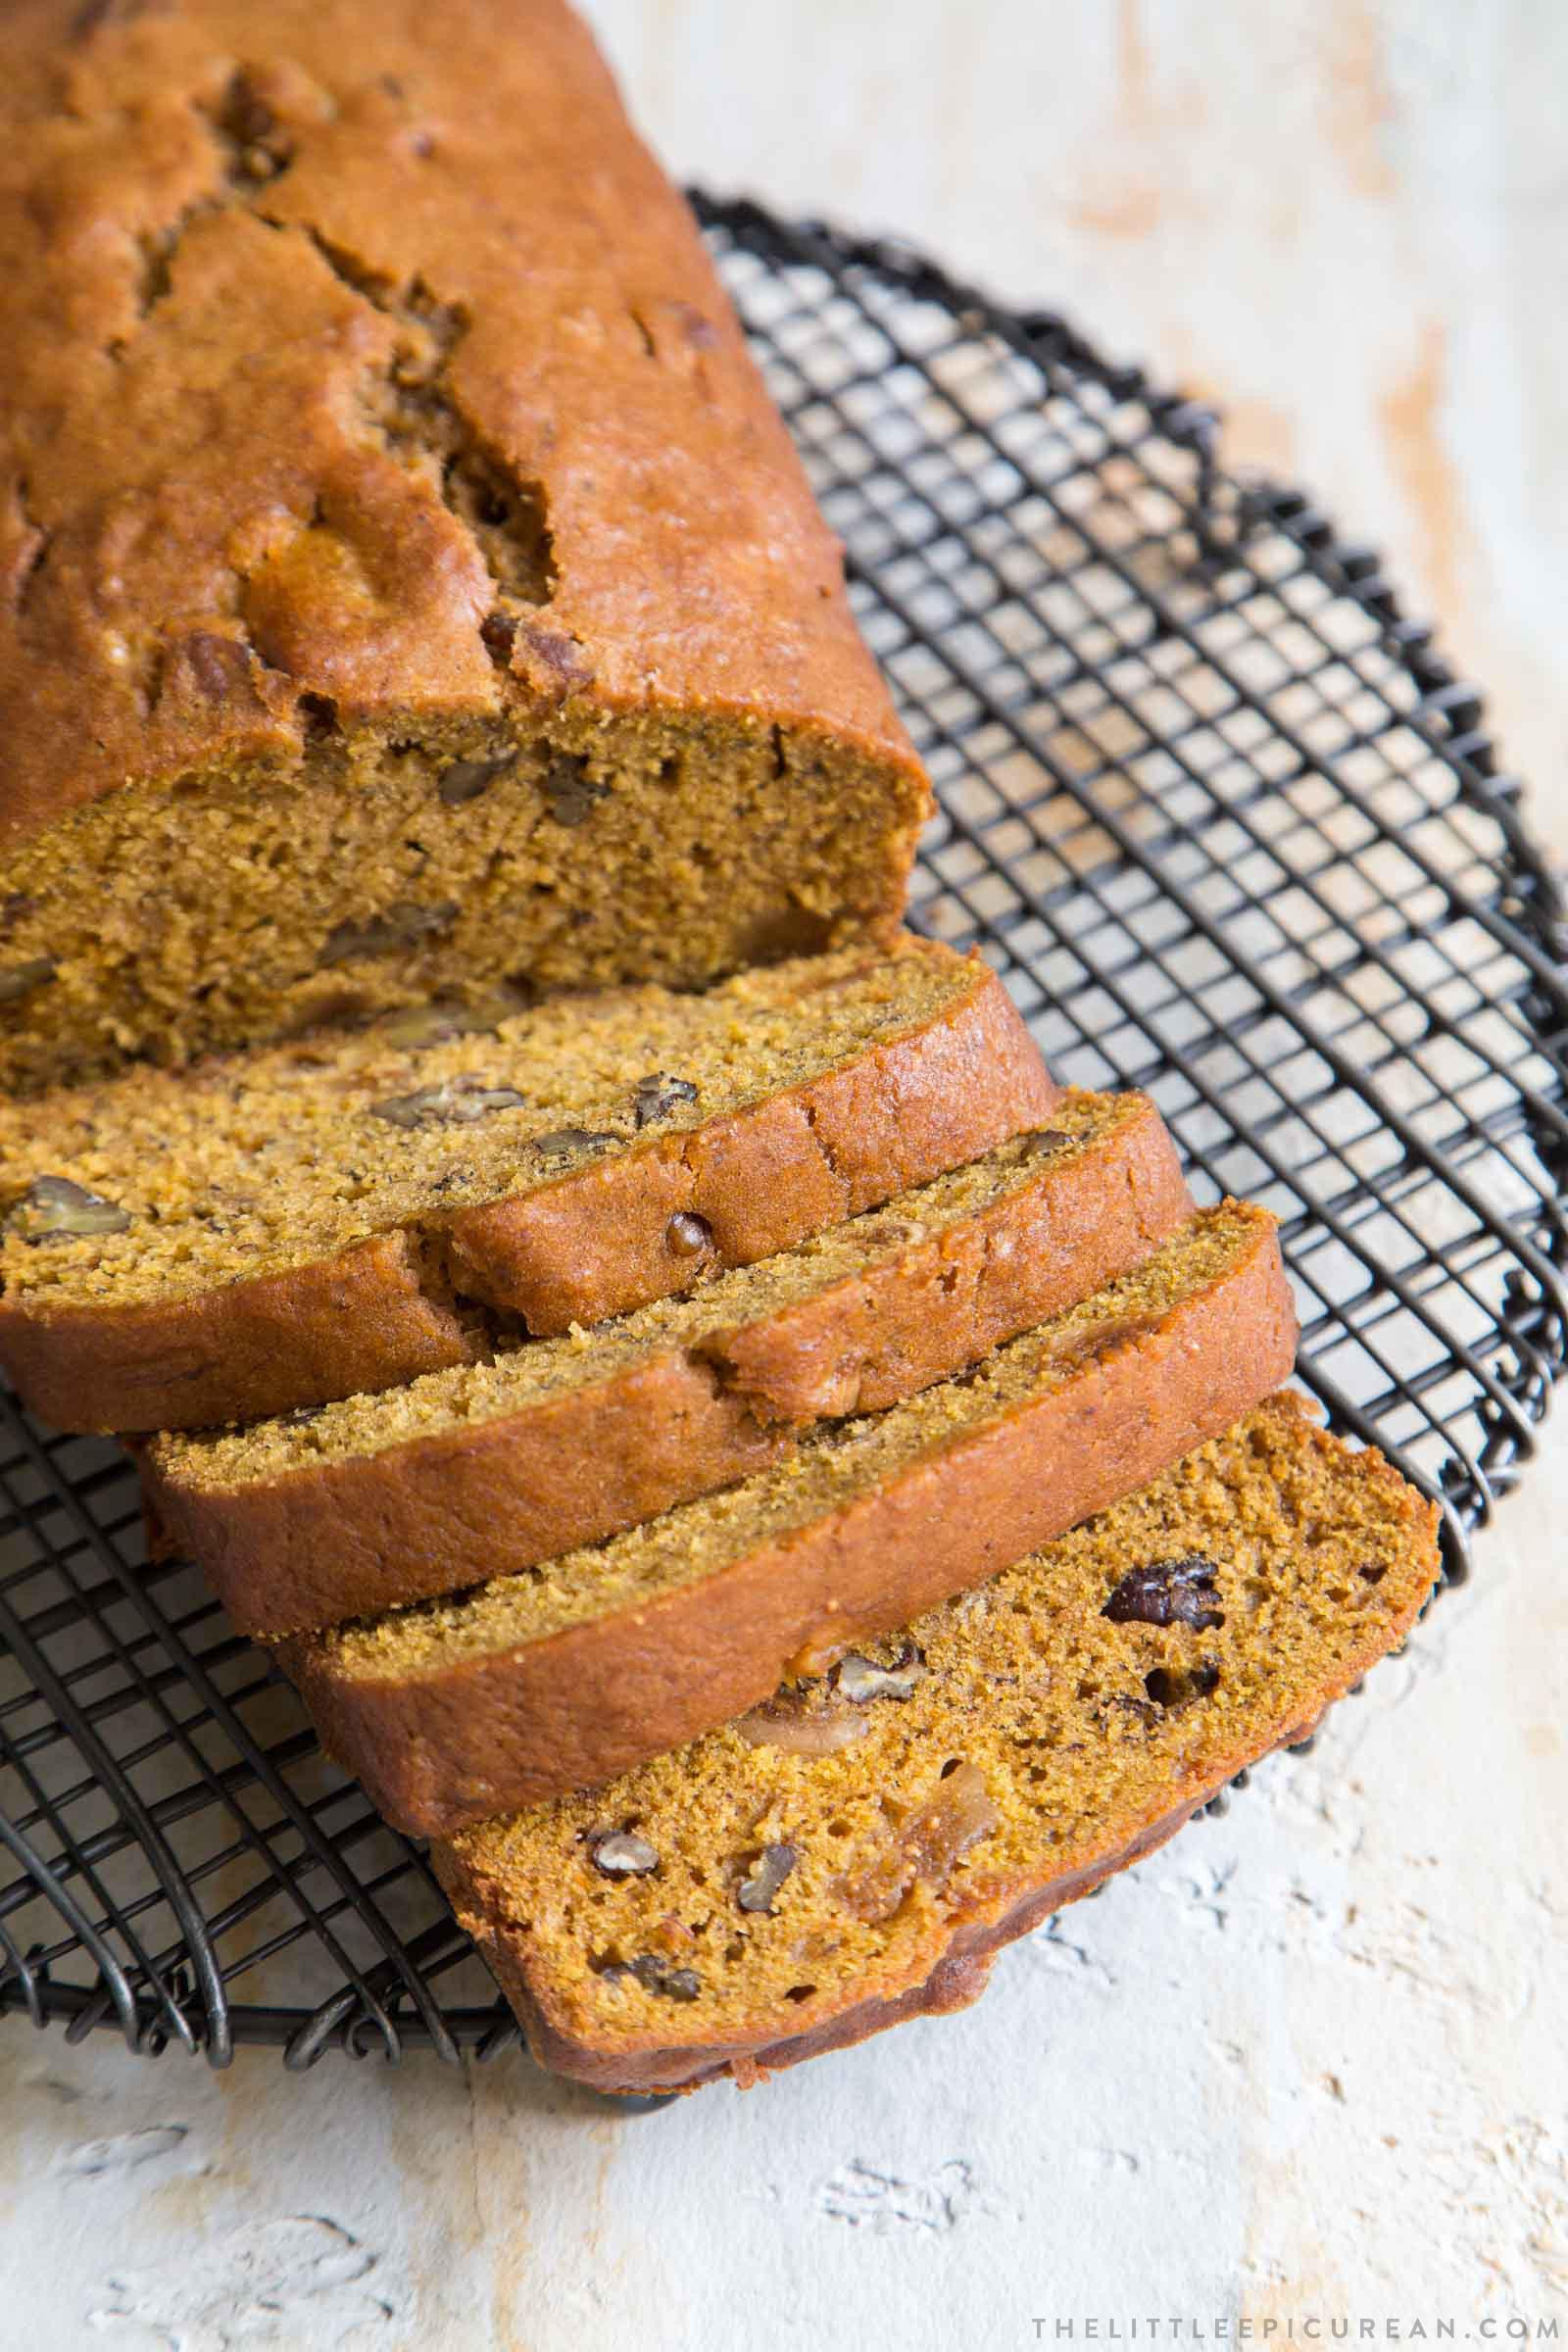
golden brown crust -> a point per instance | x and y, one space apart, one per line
190 334
947 1967
590 1245
495 1731
946 1301
364 1533
370 399
958 1977
761 1179
353 1535
362 1320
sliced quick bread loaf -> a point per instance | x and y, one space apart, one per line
487 1469
555 1678
855 1851
338 1215
409 582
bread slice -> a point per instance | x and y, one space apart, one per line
556 1678
307 1221
409 582
490 1468
855 1851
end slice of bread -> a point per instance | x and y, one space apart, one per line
855 1851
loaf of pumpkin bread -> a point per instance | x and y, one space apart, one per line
855 1850
409 585
557 1677
489 1468
269 1230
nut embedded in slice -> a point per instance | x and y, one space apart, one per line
53 1209
654 1976
465 779
562 1143
948 1821
436 1024
802 1720
1036 1699
23 978
767 1876
1168 1593
623 1854
861 1679
656 1095
290 1245
454 1103
571 791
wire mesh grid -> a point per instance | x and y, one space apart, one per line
1228 828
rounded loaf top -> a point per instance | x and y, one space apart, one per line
364 368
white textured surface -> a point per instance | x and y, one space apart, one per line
1311 2058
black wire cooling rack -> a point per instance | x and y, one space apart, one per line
1230 830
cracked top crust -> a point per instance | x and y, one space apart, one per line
362 364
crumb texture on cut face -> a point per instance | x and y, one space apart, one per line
256 905
250 1166
413 586
832 1465
526 1372
826 1849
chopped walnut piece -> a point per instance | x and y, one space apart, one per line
571 791
465 779
767 1876
655 1097
54 1210
860 1680
1182 1591
19 980
562 1141
926 1849
623 1854
806 1719
652 1973
435 1024
454 1103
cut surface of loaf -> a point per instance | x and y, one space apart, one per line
181 1248
486 1469
855 1850
412 585
553 1678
